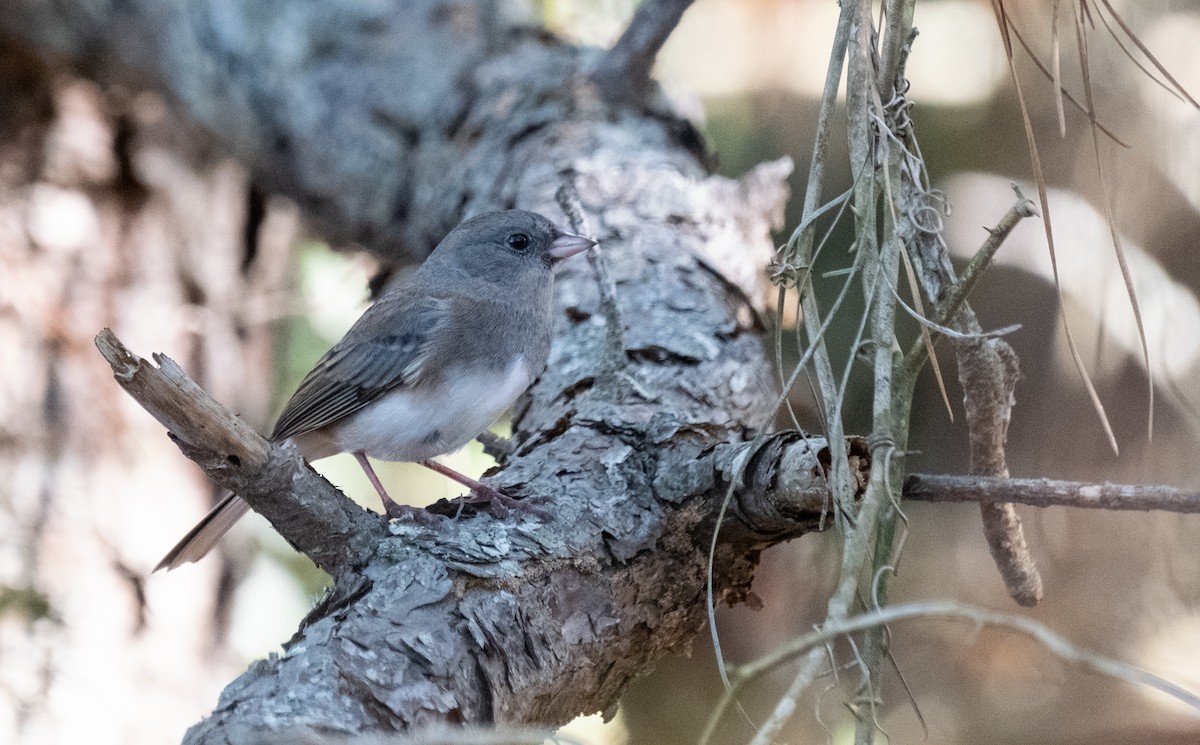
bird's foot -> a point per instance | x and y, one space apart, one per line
484 494
414 515
481 493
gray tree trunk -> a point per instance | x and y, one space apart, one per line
387 123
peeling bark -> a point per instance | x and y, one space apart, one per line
388 124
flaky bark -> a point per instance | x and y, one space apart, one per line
511 620
388 125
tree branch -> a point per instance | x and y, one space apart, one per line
979 617
622 74
612 361
489 573
768 482
390 123
988 373
1050 493
317 519
347 108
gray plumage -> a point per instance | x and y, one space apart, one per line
432 363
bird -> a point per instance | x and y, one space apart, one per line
429 366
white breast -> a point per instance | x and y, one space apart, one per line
412 425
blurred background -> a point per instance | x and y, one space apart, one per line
92 650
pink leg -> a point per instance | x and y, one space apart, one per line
483 492
390 506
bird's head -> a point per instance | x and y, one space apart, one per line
512 246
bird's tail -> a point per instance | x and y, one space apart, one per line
200 539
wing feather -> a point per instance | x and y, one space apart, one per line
370 360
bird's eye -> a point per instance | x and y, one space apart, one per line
519 241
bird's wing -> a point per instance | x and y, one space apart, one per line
385 349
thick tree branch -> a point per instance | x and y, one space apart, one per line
390 123
532 606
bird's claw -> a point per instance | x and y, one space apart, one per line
419 515
484 494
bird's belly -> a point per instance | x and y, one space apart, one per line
412 424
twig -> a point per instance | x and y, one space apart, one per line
1050 493
988 373
497 447
891 402
613 361
897 38
856 20
799 250
892 396
775 488
958 292
622 74
839 495
306 509
1067 651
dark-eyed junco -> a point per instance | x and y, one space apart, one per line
429 366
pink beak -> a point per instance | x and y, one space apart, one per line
568 244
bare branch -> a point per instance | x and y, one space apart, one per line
950 611
776 483
613 362
958 292
1051 493
622 75
479 620
307 510
988 372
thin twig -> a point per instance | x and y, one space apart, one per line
957 295
613 360
1056 644
797 496
1050 493
799 252
856 19
896 41
892 396
988 373
889 436
739 472
958 292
